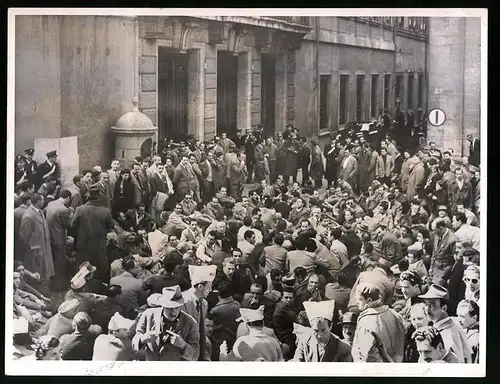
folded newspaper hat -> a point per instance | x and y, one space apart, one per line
251 315
436 292
153 300
21 326
117 322
322 309
201 274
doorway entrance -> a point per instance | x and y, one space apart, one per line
172 95
268 94
227 88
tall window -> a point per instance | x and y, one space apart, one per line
343 90
387 90
324 86
360 79
397 91
374 93
410 90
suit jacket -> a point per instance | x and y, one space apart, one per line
145 223
141 186
76 196
335 351
184 180
444 247
187 328
348 169
105 195
35 235
296 216
59 221
384 169
18 245
475 153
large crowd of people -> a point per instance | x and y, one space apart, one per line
213 251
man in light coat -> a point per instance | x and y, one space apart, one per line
34 233
384 167
59 221
349 168
454 338
18 215
377 324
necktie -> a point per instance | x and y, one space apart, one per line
201 323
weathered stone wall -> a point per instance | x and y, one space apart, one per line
74 77
454 63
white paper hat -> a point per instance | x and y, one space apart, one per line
322 309
251 315
200 274
302 331
20 325
117 322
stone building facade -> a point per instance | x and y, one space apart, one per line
351 68
454 63
76 75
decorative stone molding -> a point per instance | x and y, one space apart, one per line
187 28
235 38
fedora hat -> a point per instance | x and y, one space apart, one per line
171 297
349 318
436 292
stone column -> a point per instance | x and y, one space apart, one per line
244 91
290 113
281 93
196 93
210 65
256 87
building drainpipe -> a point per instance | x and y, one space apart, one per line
426 80
463 95
394 64
317 120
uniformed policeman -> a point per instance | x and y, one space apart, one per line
48 168
31 166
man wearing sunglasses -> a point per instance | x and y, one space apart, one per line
436 301
471 280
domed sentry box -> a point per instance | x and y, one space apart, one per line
134 136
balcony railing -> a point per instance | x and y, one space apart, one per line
303 20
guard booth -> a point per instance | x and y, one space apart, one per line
135 135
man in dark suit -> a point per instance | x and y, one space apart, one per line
305 159
91 224
48 168
474 150
138 219
59 221
207 168
105 194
